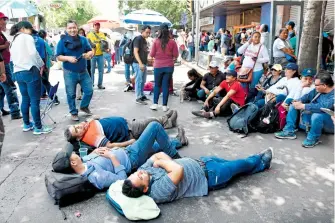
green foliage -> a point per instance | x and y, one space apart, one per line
80 11
171 9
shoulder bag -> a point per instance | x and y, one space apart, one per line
244 75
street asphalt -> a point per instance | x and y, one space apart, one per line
298 188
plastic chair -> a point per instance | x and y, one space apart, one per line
50 103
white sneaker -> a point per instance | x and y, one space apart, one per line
165 108
154 106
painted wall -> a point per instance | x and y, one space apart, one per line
266 14
219 22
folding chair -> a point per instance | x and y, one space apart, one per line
50 103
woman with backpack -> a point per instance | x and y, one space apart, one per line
28 68
164 50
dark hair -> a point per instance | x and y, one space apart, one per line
296 74
282 30
130 190
228 31
256 32
71 21
265 28
69 137
325 78
244 29
145 27
42 34
18 26
163 36
193 73
81 29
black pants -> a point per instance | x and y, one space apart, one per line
225 109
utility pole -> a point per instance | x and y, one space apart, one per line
197 30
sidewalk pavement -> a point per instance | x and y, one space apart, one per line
298 188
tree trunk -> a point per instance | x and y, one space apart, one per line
322 25
310 35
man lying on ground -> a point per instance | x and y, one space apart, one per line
113 131
166 180
103 167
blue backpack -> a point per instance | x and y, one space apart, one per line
240 121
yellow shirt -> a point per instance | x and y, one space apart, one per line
91 36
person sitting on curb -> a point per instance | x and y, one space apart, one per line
103 166
115 131
211 80
234 98
166 180
313 120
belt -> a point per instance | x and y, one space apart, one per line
203 167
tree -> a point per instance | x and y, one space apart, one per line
171 9
310 35
80 11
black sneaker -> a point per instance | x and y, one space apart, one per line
56 101
14 117
140 101
266 156
101 87
144 98
181 136
86 110
4 112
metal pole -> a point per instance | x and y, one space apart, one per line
197 30
322 23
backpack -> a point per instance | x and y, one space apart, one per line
128 52
238 38
240 121
267 119
68 189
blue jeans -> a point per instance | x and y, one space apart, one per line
256 75
117 54
30 84
145 146
8 89
201 94
221 171
314 123
71 80
108 58
127 71
100 61
162 80
260 102
190 53
140 79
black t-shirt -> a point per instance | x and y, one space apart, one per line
140 43
212 81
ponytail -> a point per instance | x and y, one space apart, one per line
17 27
14 30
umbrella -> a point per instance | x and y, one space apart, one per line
18 9
146 17
104 22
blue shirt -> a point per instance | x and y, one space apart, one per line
323 101
101 171
40 46
115 129
81 65
162 189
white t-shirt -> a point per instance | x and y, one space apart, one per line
279 44
293 85
250 51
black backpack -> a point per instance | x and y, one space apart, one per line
267 119
68 189
240 121
128 52
237 38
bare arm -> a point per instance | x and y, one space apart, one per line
4 46
137 56
202 85
65 58
225 99
175 171
215 92
120 144
160 155
288 51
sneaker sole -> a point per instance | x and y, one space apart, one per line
141 103
27 130
286 137
40 133
306 146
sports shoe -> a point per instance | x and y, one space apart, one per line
56 101
165 108
169 113
173 118
202 114
140 102
266 156
154 107
307 143
285 135
234 108
181 136
4 112
44 130
27 128
101 87
144 98
75 118
17 116
86 110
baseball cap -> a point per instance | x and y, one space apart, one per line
96 23
61 163
291 23
308 72
3 16
213 64
231 73
277 67
163 26
292 66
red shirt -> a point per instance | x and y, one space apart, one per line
5 53
164 58
239 96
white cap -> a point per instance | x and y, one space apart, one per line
213 63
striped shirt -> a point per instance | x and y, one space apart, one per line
162 189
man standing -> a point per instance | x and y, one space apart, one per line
8 85
96 37
290 26
141 52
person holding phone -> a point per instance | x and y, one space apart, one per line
74 50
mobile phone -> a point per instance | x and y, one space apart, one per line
328 111
78 58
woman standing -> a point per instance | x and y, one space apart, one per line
28 68
255 54
164 50
281 47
